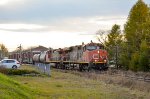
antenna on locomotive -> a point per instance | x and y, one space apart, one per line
91 41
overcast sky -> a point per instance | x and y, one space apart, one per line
58 23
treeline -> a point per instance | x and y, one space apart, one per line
3 51
130 49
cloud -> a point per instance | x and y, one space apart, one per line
59 23
23 27
54 39
7 2
47 11
20 26
90 24
76 24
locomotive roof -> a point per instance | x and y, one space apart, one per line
76 46
96 44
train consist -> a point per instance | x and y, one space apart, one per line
82 57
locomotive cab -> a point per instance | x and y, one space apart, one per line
89 48
94 53
93 46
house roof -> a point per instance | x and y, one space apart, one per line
36 49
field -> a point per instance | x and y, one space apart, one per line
63 85
10 89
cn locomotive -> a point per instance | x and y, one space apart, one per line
83 57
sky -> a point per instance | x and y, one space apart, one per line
58 23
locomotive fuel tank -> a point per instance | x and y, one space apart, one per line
36 58
43 57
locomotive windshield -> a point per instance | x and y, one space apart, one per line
90 48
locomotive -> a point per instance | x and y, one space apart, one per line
83 57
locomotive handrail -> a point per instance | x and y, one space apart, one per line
75 62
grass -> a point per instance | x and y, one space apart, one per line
28 67
11 89
69 86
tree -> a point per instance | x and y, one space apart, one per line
144 57
102 37
111 41
134 31
124 55
114 39
134 63
3 50
137 29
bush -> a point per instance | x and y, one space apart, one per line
144 57
7 71
124 61
143 62
134 61
3 70
21 72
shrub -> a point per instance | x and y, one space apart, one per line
3 70
21 72
144 57
143 62
124 60
7 71
134 61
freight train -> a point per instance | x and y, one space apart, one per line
83 57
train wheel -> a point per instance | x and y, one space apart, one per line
80 68
105 67
72 67
67 66
90 65
57 66
63 66
86 67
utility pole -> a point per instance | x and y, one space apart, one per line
20 51
0 54
117 56
31 55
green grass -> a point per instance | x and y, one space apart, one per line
69 86
11 89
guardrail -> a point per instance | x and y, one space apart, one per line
44 68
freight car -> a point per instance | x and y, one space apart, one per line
82 57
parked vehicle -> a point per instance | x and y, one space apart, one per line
10 63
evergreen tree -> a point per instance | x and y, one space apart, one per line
113 40
134 30
144 57
134 63
114 36
137 29
124 55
